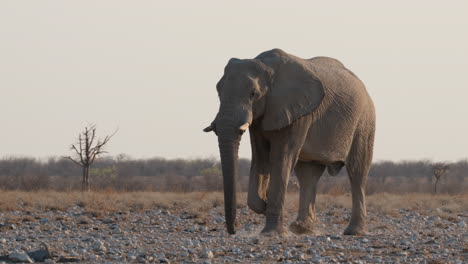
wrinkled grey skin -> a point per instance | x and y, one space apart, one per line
302 114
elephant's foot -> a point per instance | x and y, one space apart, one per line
277 230
356 229
257 205
300 227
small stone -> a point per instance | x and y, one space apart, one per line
163 260
188 243
207 254
317 260
88 239
287 255
377 259
99 246
365 240
83 220
166 212
108 220
405 242
49 261
3 241
461 224
20 257
69 259
432 241
40 255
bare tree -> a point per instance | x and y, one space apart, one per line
87 149
439 169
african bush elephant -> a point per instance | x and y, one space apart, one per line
302 114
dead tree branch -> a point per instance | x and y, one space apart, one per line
86 151
439 170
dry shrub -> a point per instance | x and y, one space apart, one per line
124 174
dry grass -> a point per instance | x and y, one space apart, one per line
391 203
199 202
105 201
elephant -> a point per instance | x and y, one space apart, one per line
305 115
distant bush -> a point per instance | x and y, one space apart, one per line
122 173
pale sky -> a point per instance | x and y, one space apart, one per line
150 68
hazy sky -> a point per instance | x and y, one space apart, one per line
150 68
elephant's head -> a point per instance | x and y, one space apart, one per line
252 90
241 91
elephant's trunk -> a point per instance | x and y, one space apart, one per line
228 148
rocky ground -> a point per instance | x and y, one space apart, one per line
176 235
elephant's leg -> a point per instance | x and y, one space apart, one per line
256 197
259 171
285 146
358 165
308 175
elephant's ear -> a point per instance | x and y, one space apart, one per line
295 92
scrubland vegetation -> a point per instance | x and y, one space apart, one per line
127 184
202 175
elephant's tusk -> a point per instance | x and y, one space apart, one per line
244 127
208 128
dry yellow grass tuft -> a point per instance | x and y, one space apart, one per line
198 203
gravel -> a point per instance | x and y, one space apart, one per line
174 236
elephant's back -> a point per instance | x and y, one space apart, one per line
326 61
338 81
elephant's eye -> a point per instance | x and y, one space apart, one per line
252 94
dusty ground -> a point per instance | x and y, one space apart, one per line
189 228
